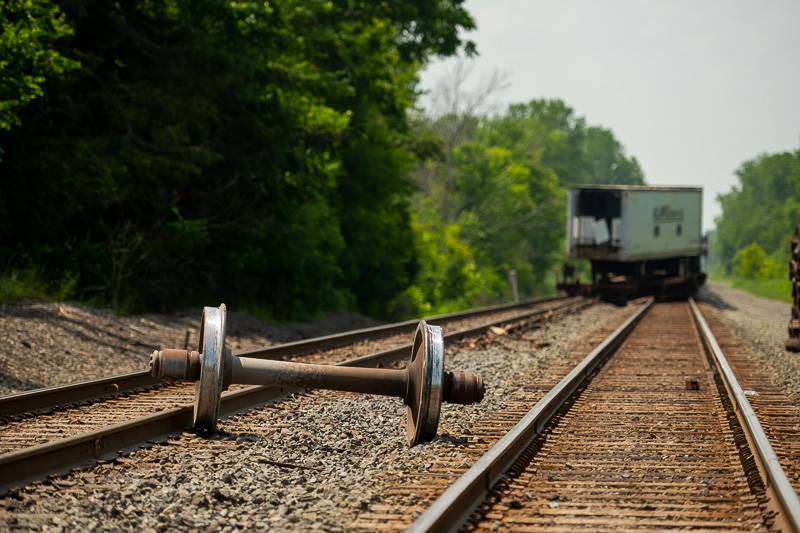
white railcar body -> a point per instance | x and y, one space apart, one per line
634 223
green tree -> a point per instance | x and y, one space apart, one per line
510 205
29 30
752 262
256 152
579 153
762 210
492 198
450 277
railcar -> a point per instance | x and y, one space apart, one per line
638 240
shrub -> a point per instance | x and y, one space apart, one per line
752 262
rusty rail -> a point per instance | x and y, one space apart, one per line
782 497
57 396
20 467
456 504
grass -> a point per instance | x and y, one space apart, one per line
774 289
27 284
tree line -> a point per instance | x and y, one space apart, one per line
758 218
495 199
272 155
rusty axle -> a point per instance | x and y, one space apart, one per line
460 387
423 385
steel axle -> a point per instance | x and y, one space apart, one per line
423 385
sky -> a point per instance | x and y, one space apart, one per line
691 88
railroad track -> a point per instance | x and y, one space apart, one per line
651 430
49 398
664 447
73 425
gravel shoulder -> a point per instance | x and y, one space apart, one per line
45 344
762 324
315 461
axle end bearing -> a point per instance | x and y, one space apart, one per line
464 388
176 364
205 366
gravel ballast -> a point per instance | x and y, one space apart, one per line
45 344
72 420
315 461
762 324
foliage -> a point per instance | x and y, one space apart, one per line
28 284
758 216
774 288
497 202
251 152
450 278
29 30
752 262
168 153
579 153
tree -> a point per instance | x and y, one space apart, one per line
762 210
752 262
455 111
251 152
492 198
579 153
29 30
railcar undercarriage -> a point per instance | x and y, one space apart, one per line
617 282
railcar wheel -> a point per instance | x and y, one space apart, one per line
426 377
209 387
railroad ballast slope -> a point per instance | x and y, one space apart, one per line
46 344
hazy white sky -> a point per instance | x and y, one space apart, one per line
691 88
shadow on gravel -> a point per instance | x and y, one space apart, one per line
16 384
84 327
706 296
459 442
222 434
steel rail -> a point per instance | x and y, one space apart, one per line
57 396
453 507
780 492
22 466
